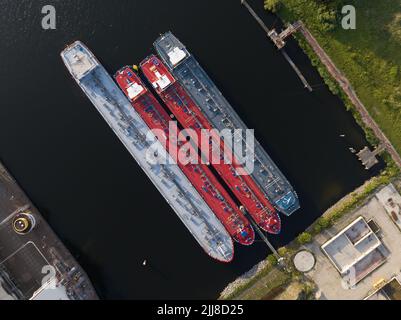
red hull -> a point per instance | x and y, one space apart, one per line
200 175
190 116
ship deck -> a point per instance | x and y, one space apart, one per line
157 74
78 61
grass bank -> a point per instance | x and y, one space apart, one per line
369 56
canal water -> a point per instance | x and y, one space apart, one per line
89 188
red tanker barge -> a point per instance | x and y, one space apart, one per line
214 194
190 116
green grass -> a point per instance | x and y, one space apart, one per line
241 288
369 56
269 285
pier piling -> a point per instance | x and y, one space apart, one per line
279 40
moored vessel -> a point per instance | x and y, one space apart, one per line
221 115
232 172
203 180
133 132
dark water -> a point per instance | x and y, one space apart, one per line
89 188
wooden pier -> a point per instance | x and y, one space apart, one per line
257 18
368 157
279 40
297 71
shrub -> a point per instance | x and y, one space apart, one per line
394 73
317 228
324 222
283 251
272 259
272 5
307 293
327 18
304 238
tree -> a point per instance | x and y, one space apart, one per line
327 18
273 5
283 251
272 260
324 222
307 293
304 238
317 228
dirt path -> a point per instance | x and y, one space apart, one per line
346 86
